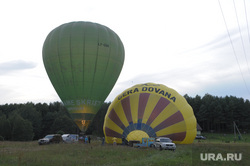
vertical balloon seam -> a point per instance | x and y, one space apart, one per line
83 54
77 81
46 61
97 60
120 49
90 80
119 44
58 56
109 57
60 80
109 65
96 28
108 61
68 73
70 56
106 67
85 31
56 60
85 57
78 62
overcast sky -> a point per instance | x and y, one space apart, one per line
191 46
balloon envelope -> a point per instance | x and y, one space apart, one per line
83 61
150 110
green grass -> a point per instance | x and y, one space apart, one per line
94 154
30 153
227 138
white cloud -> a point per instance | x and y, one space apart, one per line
15 66
182 44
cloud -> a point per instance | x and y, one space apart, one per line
15 65
218 80
223 42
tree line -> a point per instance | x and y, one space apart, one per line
29 121
217 114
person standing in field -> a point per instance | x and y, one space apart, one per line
86 140
114 141
89 139
103 140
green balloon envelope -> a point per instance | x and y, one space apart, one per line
83 61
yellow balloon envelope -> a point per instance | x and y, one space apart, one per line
150 110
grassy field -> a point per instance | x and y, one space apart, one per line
31 154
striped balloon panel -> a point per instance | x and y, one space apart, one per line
148 112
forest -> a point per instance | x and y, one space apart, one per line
29 121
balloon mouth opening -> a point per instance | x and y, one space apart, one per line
82 124
137 135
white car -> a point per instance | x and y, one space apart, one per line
70 138
164 143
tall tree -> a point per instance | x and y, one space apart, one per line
47 122
28 112
96 127
65 124
22 130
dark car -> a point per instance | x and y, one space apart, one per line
52 138
200 137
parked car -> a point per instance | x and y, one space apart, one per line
164 143
52 138
200 137
70 138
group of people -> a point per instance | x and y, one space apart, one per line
86 139
124 141
114 140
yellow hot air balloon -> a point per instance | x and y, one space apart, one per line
150 110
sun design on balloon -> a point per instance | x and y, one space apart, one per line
150 110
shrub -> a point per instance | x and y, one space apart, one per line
1 138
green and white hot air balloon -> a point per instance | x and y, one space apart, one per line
83 61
